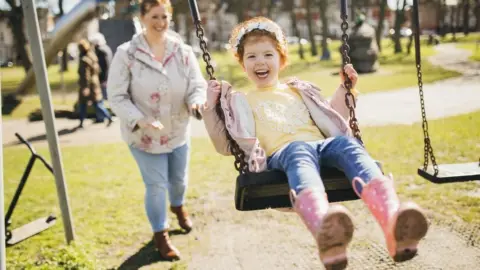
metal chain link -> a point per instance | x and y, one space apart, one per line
428 149
240 165
427 146
349 98
206 55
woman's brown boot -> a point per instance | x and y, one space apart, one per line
182 215
164 246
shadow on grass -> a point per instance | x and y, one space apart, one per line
43 137
146 255
9 103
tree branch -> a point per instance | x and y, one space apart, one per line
11 3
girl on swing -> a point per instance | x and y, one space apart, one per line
291 127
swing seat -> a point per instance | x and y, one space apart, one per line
270 189
450 173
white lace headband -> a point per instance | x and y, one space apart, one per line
263 25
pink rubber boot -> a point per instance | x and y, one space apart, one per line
403 224
331 226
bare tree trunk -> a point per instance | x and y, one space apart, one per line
477 15
323 7
64 63
353 7
313 45
441 12
239 8
15 20
290 6
399 19
188 30
381 19
452 23
466 17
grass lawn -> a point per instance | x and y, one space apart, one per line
12 77
32 102
396 70
474 48
106 193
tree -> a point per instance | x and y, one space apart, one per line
311 34
64 63
399 20
477 14
381 19
323 7
466 16
15 20
289 5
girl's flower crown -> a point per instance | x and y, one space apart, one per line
266 25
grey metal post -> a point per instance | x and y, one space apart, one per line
3 256
40 68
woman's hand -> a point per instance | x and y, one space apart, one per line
196 110
149 122
213 94
351 73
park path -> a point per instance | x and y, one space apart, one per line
442 99
227 239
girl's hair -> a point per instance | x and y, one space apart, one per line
255 29
146 5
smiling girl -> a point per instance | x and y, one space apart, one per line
291 127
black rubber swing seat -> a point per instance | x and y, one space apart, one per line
269 189
450 173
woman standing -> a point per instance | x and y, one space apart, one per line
155 85
90 91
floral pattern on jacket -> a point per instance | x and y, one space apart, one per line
140 86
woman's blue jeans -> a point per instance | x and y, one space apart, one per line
301 161
162 174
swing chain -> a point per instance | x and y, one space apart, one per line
240 165
349 98
428 149
203 45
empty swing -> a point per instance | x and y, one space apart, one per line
270 189
443 173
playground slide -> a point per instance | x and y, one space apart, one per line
65 29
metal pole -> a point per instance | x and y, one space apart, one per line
43 87
3 256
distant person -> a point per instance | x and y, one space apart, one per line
89 83
154 85
104 55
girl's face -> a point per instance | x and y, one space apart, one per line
157 19
261 61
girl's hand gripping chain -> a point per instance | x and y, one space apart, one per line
351 73
213 94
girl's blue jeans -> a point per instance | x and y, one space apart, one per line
301 161
162 174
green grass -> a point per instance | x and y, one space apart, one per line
31 103
474 48
106 192
12 77
396 70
